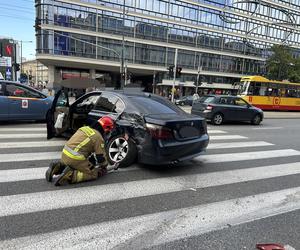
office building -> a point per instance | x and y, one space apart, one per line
223 39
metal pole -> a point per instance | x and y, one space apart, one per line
21 56
123 81
125 74
174 76
153 83
198 76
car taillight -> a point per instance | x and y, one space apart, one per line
159 132
208 107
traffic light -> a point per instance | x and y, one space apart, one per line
171 71
178 72
17 66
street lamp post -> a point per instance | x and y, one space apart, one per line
21 41
198 77
174 76
123 69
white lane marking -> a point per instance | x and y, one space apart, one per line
226 137
22 129
26 174
163 227
288 247
216 158
266 128
62 198
238 144
22 136
30 156
216 132
31 144
213 158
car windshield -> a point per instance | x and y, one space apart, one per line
154 106
206 99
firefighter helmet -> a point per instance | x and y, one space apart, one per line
107 123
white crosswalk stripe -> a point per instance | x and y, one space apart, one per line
247 144
214 131
226 137
170 225
89 195
22 136
32 144
14 175
23 129
157 227
213 158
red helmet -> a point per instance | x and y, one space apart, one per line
107 123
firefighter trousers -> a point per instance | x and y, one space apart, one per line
82 169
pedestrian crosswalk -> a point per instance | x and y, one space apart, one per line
139 207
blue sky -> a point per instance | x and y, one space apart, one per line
16 21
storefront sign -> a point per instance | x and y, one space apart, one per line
5 61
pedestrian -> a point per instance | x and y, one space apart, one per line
84 156
45 90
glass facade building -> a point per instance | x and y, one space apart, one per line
226 38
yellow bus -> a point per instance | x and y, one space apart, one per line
270 94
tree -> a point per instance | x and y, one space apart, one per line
280 64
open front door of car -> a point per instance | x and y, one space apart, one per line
58 117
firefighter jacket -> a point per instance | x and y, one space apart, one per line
85 142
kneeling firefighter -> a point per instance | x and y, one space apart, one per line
84 156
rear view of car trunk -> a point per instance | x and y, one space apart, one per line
176 137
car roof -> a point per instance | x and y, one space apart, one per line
22 85
219 96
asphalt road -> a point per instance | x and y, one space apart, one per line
244 190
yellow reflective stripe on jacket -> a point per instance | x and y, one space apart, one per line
72 156
83 143
79 176
88 131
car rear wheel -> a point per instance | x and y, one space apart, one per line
217 119
181 103
256 120
122 151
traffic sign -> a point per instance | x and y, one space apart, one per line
8 74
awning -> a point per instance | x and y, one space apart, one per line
177 84
80 83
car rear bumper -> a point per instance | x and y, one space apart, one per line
206 115
173 152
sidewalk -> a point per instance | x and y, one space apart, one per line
267 114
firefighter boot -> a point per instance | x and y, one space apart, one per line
55 168
65 177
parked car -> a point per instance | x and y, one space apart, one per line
220 108
20 102
185 100
159 132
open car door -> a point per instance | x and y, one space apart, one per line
58 119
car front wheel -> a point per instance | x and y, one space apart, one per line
256 120
217 119
122 151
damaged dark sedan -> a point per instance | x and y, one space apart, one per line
150 129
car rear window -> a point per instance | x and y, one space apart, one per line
207 99
154 106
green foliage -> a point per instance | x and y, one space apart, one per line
280 64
